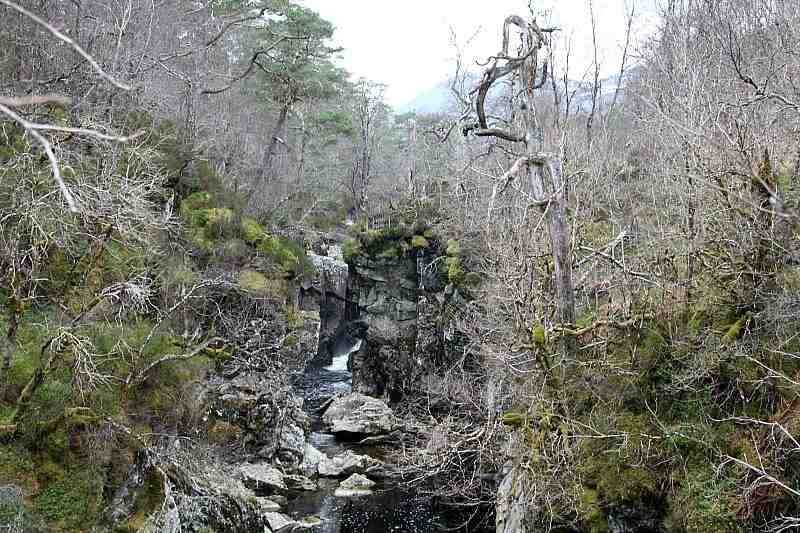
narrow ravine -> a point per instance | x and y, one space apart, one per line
389 508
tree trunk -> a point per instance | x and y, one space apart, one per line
274 140
562 258
8 346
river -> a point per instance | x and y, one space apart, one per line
389 509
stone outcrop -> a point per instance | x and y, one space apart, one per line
271 419
311 459
359 415
345 464
279 523
354 486
325 292
385 292
510 507
263 479
408 310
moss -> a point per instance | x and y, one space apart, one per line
620 478
454 270
590 513
734 331
290 340
419 242
705 502
195 201
235 250
352 249
252 231
287 254
514 419
390 253
252 281
70 502
294 318
538 335
453 248
17 467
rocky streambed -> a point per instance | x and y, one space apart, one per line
356 489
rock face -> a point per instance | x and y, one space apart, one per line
251 402
510 507
326 293
311 459
385 290
356 414
263 479
407 308
346 463
279 523
355 485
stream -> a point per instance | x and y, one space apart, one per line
389 509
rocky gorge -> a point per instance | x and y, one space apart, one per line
316 452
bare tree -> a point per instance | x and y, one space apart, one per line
550 195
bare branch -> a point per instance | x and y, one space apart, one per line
44 99
51 156
68 40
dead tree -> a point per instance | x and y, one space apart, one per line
541 169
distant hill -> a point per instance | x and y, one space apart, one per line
439 99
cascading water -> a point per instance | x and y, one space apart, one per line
389 509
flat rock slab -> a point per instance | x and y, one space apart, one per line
263 478
345 464
279 522
357 414
354 486
297 482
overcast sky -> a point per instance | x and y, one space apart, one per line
406 44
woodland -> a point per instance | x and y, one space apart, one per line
604 284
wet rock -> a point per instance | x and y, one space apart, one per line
385 290
346 463
279 499
311 460
267 505
511 506
263 478
296 482
354 486
309 522
356 414
292 443
279 522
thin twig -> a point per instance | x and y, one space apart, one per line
68 40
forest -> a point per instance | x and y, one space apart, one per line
239 292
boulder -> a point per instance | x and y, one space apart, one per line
311 460
291 446
268 506
309 522
345 464
354 486
356 414
263 478
279 522
296 482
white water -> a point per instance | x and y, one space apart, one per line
339 363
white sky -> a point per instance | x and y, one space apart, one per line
406 44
